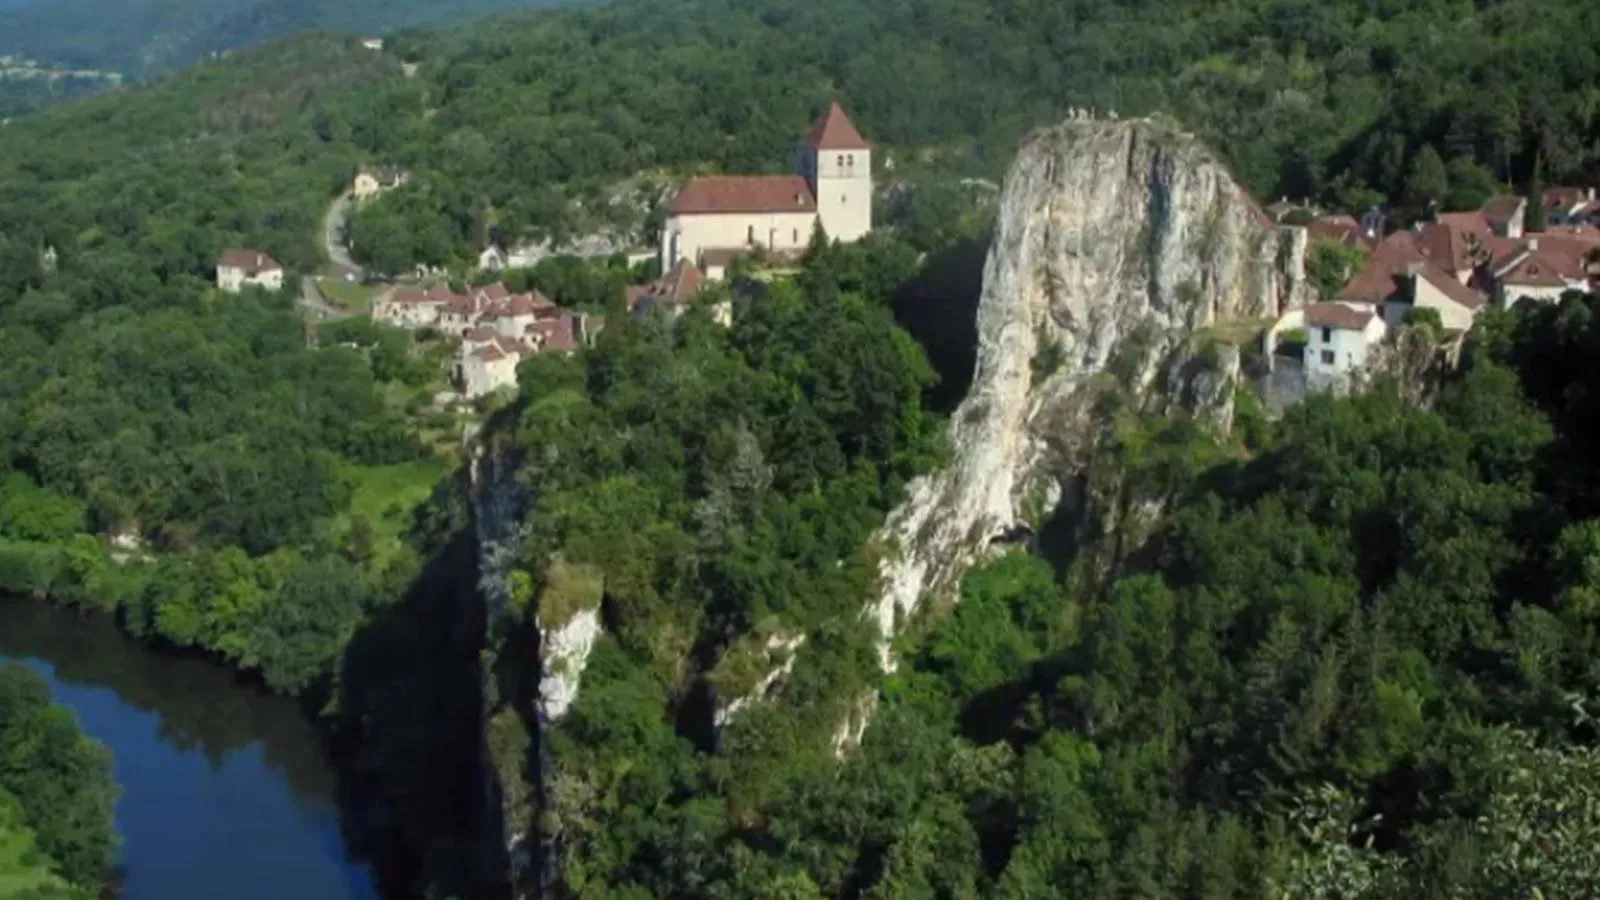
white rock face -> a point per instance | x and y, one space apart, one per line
1115 243
565 652
782 647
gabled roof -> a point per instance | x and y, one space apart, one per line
1534 270
1502 208
745 194
833 130
1386 270
1336 315
1338 229
677 286
253 262
1565 198
1457 241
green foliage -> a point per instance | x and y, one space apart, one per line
59 781
1424 318
1426 183
1331 265
24 870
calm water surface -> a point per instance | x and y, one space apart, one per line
226 790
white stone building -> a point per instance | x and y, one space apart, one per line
237 269
369 183
1339 340
725 215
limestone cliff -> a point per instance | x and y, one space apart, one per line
1117 244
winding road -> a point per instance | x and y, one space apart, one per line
333 224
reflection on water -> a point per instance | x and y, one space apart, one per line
226 790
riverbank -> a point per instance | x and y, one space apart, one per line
222 782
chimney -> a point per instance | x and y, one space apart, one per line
1413 269
1533 245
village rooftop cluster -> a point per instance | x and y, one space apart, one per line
1455 265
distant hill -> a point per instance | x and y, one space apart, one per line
142 37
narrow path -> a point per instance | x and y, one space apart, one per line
333 224
312 301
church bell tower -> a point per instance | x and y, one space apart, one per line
837 163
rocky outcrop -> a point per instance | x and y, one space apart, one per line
564 652
1117 244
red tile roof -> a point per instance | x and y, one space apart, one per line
1536 269
253 262
490 353
480 335
557 334
745 194
1560 199
493 292
1457 241
1502 208
1336 315
677 286
1337 229
1386 270
833 130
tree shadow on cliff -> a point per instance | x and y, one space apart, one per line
416 797
940 309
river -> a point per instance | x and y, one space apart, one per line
226 790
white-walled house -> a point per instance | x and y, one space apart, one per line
369 183
1339 340
237 269
727 214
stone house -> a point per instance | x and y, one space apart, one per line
1545 266
237 269
1400 276
1339 340
1506 215
1570 206
371 182
723 215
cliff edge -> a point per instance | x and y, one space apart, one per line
1118 245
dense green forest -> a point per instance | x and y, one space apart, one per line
269 481
1356 661
1356 638
57 839
144 37
1327 100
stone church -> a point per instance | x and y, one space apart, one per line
718 217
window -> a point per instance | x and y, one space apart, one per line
1327 357
750 235
841 160
795 238
844 199
850 160
1327 335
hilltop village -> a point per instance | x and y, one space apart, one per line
712 222
1442 270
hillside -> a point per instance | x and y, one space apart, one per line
142 37
1329 610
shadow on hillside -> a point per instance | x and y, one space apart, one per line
415 794
940 309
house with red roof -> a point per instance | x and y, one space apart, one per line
1569 205
1340 339
1544 267
238 268
721 216
1403 273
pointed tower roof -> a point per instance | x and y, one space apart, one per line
835 131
